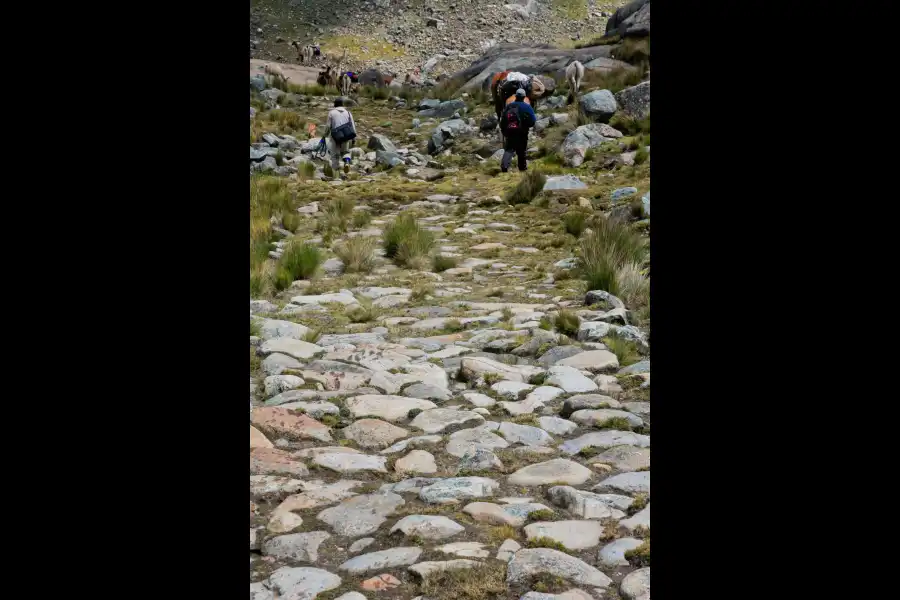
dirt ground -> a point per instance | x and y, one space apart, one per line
295 73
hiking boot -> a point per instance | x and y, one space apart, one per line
346 168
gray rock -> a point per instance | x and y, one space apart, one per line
478 459
444 109
640 519
536 561
595 361
625 458
276 363
446 131
588 505
372 433
622 193
638 367
636 482
445 420
635 101
558 353
569 379
613 554
275 384
602 416
636 585
360 545
268 486
428 527
586 401
502 514
333 266
274 328
599 105
351 463
300 583
258 82
456 489
417 461
524 434
578 142
470 549
604 439
604 298
427 391
291 347
633 19
302 547
387 407
361 515
574 535
391 159
383 559
468 440
508 549
557 426
413 442
558 470
381 142
564 182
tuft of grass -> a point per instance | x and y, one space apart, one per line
617 423
501 533
307 169
567 323
545 542
546 324
442 263
539 378
361 218
614 81
639 504
291 221
486 581
453 325
575 223
312 336
364 313
634 51
640 556
300 260
421 293
405 242
255 361
588 452
255 327
607 249
625 350
527 189
542 515
630 125
261 278
641 156
357 254
491 378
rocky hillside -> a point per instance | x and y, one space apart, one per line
450 366
437 37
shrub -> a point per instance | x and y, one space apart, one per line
361 218
640 556
625 350
291 221
405 242
528 188
357 254
282 279
567 323
442 263
575 223
300 260
641 156
307 169
269 195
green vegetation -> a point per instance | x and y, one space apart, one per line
545 542
357 254
441 263
406 242
640 556
575 223
625 350
528 188
567 322
300 260
606 250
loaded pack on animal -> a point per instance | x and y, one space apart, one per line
327 77
505 84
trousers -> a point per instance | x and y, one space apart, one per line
336 151
514 144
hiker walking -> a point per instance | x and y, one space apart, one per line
339 135
515 121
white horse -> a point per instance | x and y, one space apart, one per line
275 71
574 75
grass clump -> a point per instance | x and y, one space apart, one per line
405 242
483 582
492 378
640 556
441 263
454 325
617 423
606 250
639 504
255 327
566 322
501 533
542 515
312 336
575 223
539 378
362 314
357 254
361 218
625 350
299 261
527 189
307 169
545 542
255 361
291 221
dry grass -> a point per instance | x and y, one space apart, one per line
483 582
640 556
357 254
501 533
528 188
406 242
606 250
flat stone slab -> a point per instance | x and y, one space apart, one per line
413 442
636 585
291 347
351 463
613 554
558 470
456 489
445 420
373 433
639 519
499 514
524 434
280 422
476 367
557 426
625 458
574 535
302 547
601 416
589 505
595 361
389 408
569 379
299 583
637 482
469 440
536 561
465 549
417 461
429 568
272 461
361 515
605 439
429 527
383 559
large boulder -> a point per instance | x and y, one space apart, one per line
444 109
371 77
635 101
633 19
579 141
599 105
447 131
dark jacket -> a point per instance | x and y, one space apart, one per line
527 118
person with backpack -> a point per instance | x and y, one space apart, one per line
339 135
515 121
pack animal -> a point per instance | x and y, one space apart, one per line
344 84
304 53
275 71
503 90
574 75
